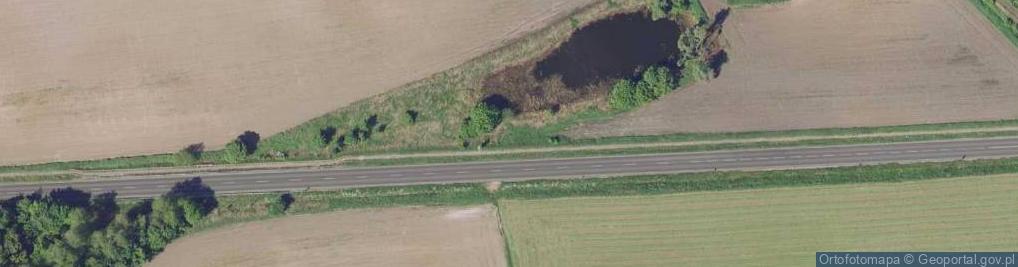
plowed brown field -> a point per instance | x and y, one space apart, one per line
846 63
100 78
370 237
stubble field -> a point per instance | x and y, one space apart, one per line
366 237
832 64
95 79
769 227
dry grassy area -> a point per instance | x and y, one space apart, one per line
830 64
768 227
365 237
92 79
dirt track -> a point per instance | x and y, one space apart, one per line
371 237
91 79
846 63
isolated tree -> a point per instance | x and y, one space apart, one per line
248 142
194 151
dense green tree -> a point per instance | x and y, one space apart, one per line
653 83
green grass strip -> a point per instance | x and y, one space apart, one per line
737 180
998 19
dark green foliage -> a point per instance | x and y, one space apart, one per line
68 227
482 119
690 9
655 82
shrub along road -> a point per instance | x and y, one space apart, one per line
332 177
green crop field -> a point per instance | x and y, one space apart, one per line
765 227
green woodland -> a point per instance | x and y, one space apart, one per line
67 227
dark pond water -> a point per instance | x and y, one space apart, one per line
611 48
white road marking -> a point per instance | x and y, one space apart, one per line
695 161
796 157
261 181
927 150
1001 147
597 166
728 160
362 177
629 164
945 149
779 157
895 152
329 178
561 167
827 155
429 173
461 172
862 154
527 170
129 187
762 158
294 180
496 170
913 151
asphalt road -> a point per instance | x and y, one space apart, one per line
783 158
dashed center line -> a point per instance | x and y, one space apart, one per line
1001 147
329 178
629 164
362 177
294 180
461 172
261 181
527 170
561 167
429 173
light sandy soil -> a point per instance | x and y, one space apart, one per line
99 78
846 63
372 237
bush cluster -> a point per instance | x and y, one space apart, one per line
655 82
67 227
482 119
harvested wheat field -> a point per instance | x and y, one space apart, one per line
770 227
101 78
369 237
847 63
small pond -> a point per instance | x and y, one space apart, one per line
609 49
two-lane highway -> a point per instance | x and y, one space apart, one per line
779 158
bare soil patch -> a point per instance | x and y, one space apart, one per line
93 79
370 237
828 64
